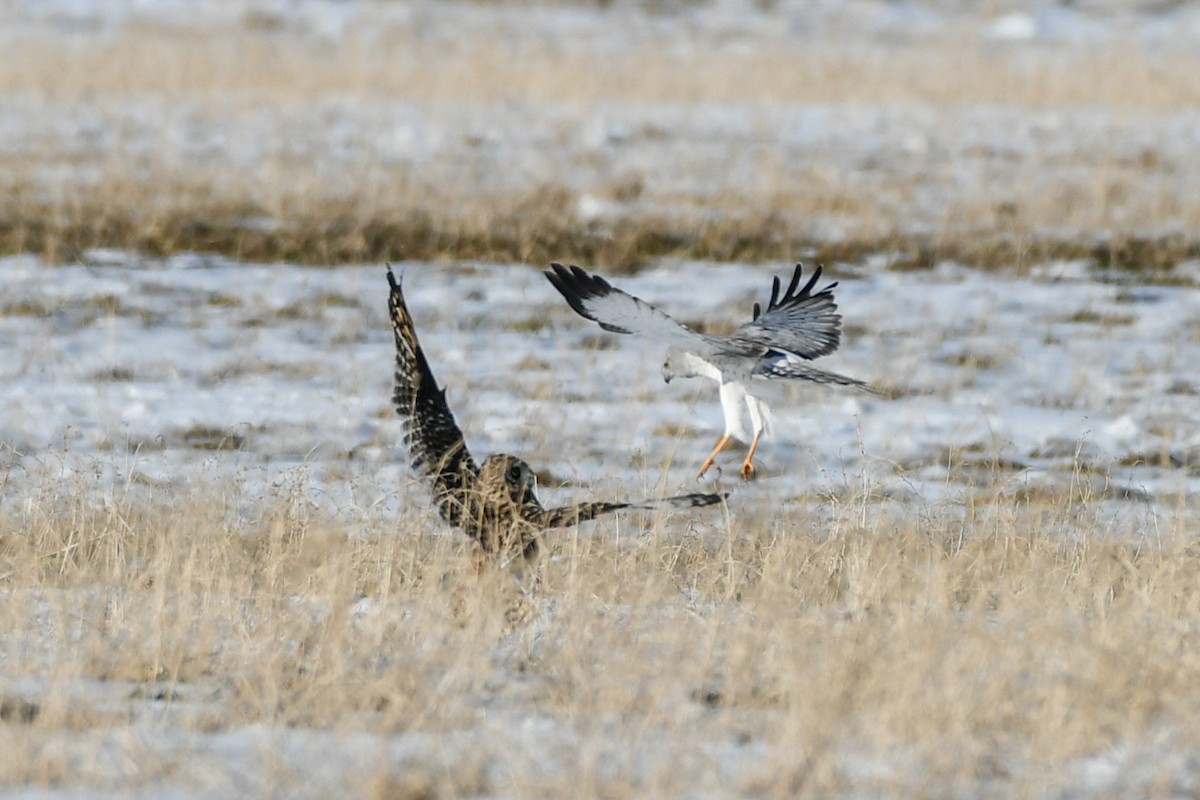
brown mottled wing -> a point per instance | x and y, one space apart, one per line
436 448
583 512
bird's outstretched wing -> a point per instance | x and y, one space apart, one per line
596 299
436 448
800 322
582 512
782 367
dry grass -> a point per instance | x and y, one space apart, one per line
805 652
210 210
300 206
250 67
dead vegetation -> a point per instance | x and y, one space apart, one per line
533 229
817 650
1126 204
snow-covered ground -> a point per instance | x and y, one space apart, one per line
158 374
1000 21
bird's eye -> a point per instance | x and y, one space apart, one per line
514 473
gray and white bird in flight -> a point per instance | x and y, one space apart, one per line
493 503
797 326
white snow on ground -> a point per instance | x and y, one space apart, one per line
1006 21
121 373
164 373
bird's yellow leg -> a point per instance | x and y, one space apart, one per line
748 464
708 462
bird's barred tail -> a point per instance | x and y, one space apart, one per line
788 369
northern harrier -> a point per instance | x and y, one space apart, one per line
775 344
493 503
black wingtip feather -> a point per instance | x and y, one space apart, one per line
798 274
570 292
702 499
794 293
576 286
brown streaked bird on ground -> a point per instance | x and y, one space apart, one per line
774 345
493 503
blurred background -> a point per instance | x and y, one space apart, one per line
321 131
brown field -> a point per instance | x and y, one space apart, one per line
805 651
1122 199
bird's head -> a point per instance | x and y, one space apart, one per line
676 365
510 472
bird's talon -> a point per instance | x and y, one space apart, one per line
749 471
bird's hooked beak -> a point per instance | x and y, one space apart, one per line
527 489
